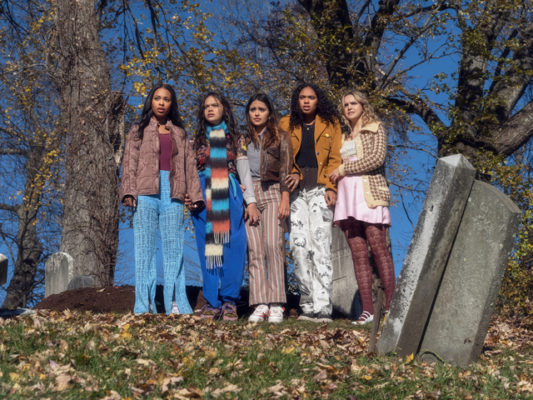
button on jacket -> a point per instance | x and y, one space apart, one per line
327 148
140 167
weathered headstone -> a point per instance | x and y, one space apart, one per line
344 293
427 255
82 281
59 271
3 269
461 314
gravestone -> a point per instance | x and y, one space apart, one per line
3 269
461 314
427 255
80 282
344 293
59 271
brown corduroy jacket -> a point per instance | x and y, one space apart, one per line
140 166
371 146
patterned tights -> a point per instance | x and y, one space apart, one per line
357 233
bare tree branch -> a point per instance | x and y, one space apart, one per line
8 207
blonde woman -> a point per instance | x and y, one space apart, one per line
363 197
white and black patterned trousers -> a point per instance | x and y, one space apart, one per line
310 241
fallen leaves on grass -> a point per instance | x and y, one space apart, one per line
65 354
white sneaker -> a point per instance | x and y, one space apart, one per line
276 314
364 318
260 313
175 309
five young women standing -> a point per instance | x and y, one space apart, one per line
302 155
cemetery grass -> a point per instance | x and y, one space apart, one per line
81 355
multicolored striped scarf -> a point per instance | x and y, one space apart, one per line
217 196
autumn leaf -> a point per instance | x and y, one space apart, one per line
62 382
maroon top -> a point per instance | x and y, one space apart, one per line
165 152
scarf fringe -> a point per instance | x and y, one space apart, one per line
213 262
221 237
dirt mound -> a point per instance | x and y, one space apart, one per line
109 299
120 299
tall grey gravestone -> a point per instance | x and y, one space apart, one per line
427 255
59 271
344 293
461 314
3 269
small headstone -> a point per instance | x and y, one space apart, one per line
59 271
461 314
80 282
344 293
3 269
427 255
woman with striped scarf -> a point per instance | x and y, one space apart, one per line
220 232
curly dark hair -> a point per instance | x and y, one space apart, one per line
272 134
147 112
324 108
227 116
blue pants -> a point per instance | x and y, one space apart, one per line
152 212
223 284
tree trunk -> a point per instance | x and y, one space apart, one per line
90 118
28 245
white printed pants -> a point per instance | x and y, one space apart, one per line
310 241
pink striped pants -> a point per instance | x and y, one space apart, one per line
266 250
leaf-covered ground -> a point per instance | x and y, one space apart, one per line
80 355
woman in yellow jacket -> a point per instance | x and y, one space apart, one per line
315 135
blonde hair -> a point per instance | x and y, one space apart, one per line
368 116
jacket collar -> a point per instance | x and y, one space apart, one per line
153 123
320 127
372 127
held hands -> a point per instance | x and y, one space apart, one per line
331 198
292 181
196 206
252 214
129 201
334 177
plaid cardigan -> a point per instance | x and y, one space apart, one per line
371 146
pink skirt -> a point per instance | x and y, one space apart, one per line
351 203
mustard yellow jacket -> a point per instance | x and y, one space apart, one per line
327 147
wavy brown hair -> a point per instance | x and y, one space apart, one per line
272 134
368 115
227 116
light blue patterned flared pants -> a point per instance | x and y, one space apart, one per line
152 212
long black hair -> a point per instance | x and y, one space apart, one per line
147 113
272 134
227 116
324 108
